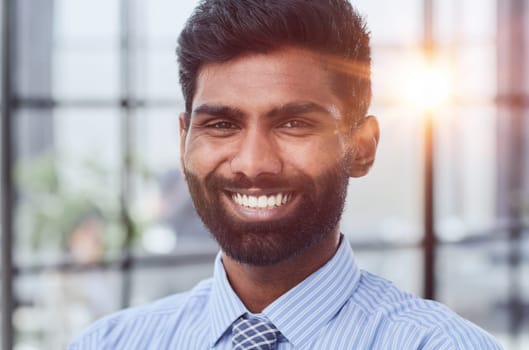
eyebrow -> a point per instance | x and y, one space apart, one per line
288 109
298 108
219 111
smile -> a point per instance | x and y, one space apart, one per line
261 202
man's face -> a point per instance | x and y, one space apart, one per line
265 155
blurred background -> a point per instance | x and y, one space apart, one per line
95 215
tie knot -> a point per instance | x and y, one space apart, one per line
254 334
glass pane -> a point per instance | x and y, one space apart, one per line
463 22
466 170
407 274
68 181
162 208
474 280
75 21
85 73
474 75
158 75
393 22
33 48
85 62
164 19
153 283
55 306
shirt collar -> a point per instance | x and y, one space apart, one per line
302 311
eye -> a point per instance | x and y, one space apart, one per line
221 125
295 123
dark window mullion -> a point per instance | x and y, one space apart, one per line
128 108
429 240
6 169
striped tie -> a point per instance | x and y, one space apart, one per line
253 334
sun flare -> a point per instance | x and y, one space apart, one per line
427 87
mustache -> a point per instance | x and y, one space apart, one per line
242 181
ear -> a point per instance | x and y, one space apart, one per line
183 134
364 140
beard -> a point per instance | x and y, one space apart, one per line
263 243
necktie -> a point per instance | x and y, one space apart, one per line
253 334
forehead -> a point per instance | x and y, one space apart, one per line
267 80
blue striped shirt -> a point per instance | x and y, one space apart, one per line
337 307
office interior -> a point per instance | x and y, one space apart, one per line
95 215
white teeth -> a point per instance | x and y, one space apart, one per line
261 202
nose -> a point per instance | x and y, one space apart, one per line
257 154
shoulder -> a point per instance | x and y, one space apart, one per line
139 321
433 323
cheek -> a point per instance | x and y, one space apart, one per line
314 156
201 157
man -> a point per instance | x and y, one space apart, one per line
276 95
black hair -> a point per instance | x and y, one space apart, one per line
219 30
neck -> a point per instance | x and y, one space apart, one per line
259 286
